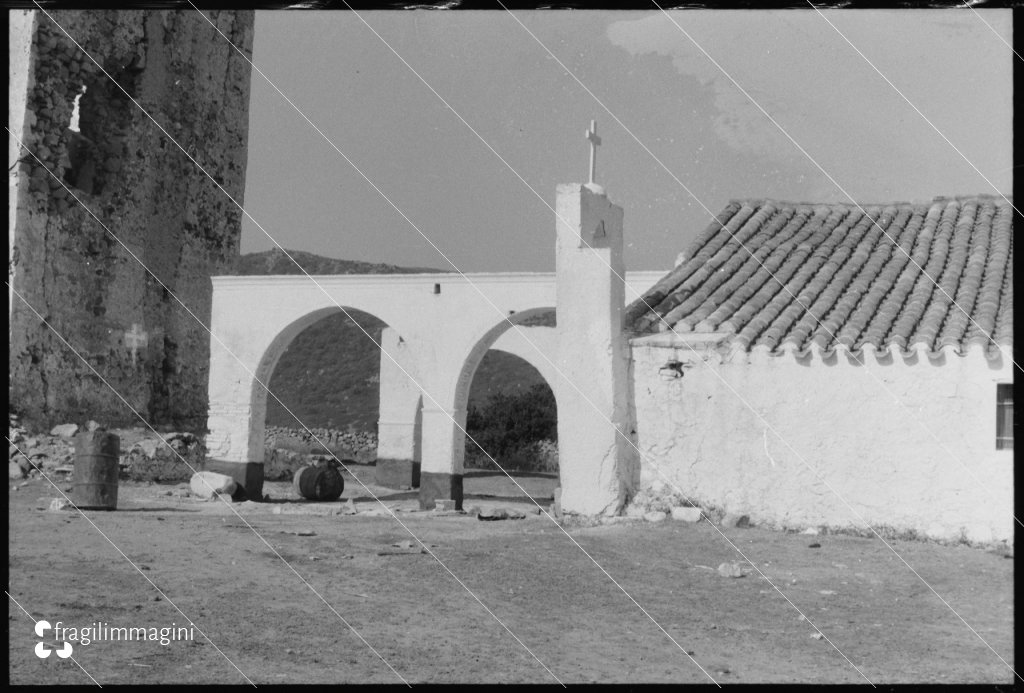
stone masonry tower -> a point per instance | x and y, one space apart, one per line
78 129
597 463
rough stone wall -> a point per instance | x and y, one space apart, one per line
148 193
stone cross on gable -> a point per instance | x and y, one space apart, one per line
134 339
591 135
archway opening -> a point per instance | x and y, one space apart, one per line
326 392
507 387
512 415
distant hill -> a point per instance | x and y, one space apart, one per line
276 262
329 374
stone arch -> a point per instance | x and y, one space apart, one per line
476 354
268 363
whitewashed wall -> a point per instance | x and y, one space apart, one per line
909 444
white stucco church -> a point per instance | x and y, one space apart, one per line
804 364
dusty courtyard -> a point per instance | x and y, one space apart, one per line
264 623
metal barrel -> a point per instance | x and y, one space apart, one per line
96 470
320 483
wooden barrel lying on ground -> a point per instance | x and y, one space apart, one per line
319 482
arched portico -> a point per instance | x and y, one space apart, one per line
442 326
444 436
432 318
254 319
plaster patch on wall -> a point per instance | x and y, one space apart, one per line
75 110
134 339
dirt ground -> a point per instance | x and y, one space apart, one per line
265 623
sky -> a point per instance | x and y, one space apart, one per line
679 137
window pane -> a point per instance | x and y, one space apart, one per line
1004 416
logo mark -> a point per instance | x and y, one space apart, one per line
42 651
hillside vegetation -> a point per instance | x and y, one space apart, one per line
277 262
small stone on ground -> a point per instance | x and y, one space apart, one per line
64 430
210 484
500 514
684 514
730 570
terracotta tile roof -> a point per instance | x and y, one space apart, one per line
851 277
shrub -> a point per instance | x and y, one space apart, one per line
511 428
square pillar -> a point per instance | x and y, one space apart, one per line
398 429
398 455
598 465
444 449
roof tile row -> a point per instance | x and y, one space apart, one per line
793 274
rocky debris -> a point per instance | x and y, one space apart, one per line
685 514
59 504
145 455
730 570
817 636
349 508
734 520
656 497
656 516
14 471
618 520
149 447
44 451
444 504
211 484
64 430
280 464
500 514
170 457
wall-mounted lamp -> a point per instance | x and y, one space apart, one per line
673 370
